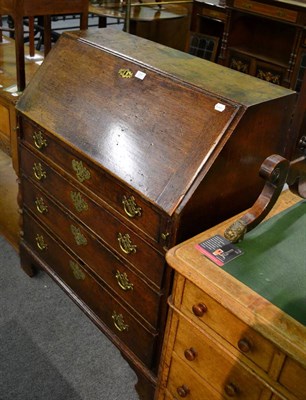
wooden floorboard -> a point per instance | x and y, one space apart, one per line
9 216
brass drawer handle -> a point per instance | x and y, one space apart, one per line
183 391
79 238
119 322
77 270
125 244
41 207
40 242
231 390
39 172
130 207
39 141
245 345
190 354
78 201
123 281
82 172
199 309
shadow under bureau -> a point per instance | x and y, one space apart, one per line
127 147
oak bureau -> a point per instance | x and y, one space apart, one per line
127 147
239 331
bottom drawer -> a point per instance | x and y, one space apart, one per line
97 298
184 382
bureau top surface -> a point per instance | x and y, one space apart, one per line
140 110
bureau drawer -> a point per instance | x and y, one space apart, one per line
245 339
293 378
121 239
70 270
189 384
100 260
129 204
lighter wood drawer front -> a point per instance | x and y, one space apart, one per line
222 371
244 338
102 262
183 382
121 239
266 9
293 377
129 205
96 297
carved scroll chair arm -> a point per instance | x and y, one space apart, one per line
277 171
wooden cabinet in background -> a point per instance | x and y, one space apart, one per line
263 38
126 147
266 39
236 332
206 29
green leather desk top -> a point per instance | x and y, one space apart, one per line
274 261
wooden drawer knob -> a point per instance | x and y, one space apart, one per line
245 345
183 391
199 309
190 354
231 390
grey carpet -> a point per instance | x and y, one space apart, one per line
49 349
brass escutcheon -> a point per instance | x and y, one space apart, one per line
78 201
125 73
76 270
119 322
39 172
130 207
79 238
123 281
40 242
41 207
82 172
125 243
39 140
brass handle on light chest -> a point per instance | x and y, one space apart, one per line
39 172
40 242
41 207
130 207
123 281
126 244
119 322
39 140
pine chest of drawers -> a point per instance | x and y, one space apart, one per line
239 333
126 147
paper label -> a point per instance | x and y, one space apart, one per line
219 250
